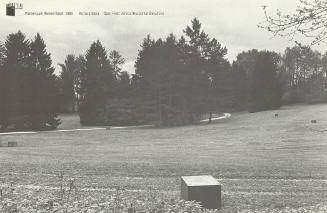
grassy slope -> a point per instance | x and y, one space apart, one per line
262 161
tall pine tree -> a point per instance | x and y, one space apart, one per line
96 86
14 81
44 87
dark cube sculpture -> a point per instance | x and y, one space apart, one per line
204 189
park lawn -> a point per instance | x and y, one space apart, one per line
261 160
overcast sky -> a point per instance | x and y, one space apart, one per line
232 22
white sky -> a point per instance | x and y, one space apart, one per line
232 22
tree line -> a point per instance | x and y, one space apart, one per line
176 81
28 90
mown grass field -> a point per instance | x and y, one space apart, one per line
262 161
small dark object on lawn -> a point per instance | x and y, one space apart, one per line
313 121
131 210
204 189
276 115
12 144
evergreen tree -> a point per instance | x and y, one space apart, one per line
44 87
28 89
199 81
96 86
182 79
144 82
209 69
158 71
17 50
14 81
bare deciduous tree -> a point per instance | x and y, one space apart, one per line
309 20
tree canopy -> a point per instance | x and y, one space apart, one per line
28 85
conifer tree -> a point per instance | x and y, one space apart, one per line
28 87
44 87
97 84
14 84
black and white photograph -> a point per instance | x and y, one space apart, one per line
163 106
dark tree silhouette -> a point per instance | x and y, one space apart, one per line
96 86
16 61
124 85
181 79
44 84
28 87
240 84
265 87
69 80
257 80
116 60
209 70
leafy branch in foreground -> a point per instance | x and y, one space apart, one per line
309 20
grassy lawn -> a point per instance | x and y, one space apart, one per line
261 160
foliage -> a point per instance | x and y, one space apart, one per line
181 79
302 66
28 85
116 60
240 85
45 105
258 85
96 84
297 76
124 86
121 112
265 90
102 89
69 82
316 91
177 80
